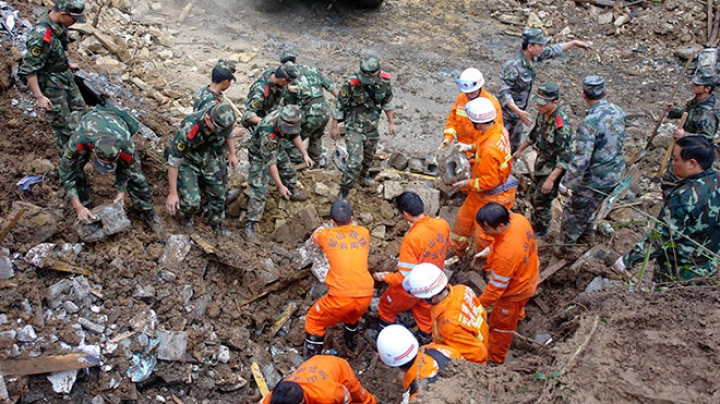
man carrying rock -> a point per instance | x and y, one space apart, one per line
268 157
686 240
196 164
552 139
320 379
265 93
47 70
517 75
315 109
597 166
514 269
428 240
350 285
361 99
105 134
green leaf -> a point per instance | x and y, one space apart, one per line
556 374
539 376
603 320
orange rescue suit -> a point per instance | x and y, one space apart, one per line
327 379
430 360
428 240
350 285
489 182
460 321
460 127
514 272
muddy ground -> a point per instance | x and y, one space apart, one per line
615 345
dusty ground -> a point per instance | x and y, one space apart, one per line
611 346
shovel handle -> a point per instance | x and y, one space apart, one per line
668 152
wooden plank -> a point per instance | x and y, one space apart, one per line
259 379
283 318
540 303
10 225
63 267
47 364
551 270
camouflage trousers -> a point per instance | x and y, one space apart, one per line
361 151
258 181
313 129
578 211
542 203
137 187
64 102
204 173
515 128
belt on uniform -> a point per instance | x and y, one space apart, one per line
509 184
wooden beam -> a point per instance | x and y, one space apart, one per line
46 364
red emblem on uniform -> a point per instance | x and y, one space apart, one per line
354 81
126 157
385 75
193 131
559 122
273 136
48 35
267 91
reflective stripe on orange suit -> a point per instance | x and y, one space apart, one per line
460 127
491 167
514 271
427 240
425 368
460 321
327 379
350 285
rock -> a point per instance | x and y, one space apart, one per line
81 288
63 381
322 189
6 268
448 213
3 390
172 345
167 276
70 307
389 175
55 292
298 228
234 208
176 248
201 305
91 326
223 355
626 215
35 226
42 166
365 218
272 377
144 292
429 196
378 233
186 293
605 18
93 45
622 20
26 334
475 281
398 161
3 319
112 220
534 21
145 320
392 189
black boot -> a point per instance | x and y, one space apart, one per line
152 220
250 231
424 338
351 336
344 193
313 345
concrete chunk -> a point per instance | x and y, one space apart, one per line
113 220
91 326
177 247
298 228
6 268
26 334
172 345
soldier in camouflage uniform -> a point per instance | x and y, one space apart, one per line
268 157
361 99
552 139
315 110
223 74
703 117
196 164
48 72
598 162
517 75
266 92
686 240
105 134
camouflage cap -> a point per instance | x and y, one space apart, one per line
534 35
547 93
288 56
226 69
705 77
370 64
223 118
107 152
287 71
290 118
594 87
75 8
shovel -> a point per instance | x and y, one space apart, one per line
668 152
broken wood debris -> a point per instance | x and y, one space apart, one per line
47 364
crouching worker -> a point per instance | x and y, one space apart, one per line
321 379
350 285
459 320
398 347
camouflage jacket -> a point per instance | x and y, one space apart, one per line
551 137
689 221
263 98
354 96
517 76
193 139
309 97
703 117
266 139
598 160
206 98
100 122
45 56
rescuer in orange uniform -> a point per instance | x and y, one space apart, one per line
350 285
459 320
398 347
322 379
490 179
428 240
458 126
514 270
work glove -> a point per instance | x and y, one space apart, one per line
619 265
484 253
462 147
444 145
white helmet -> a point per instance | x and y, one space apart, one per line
480 110
396 345
425 280
470 80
